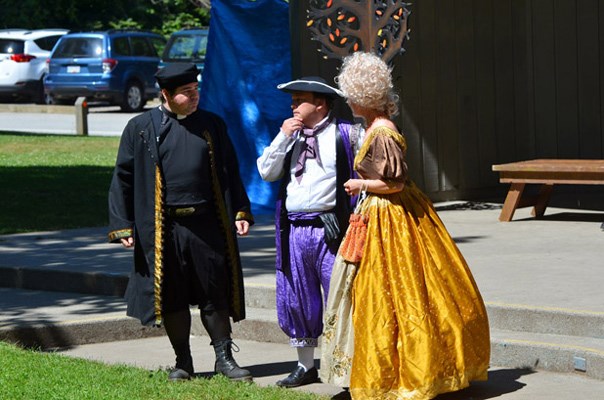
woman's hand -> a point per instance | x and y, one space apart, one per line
354 186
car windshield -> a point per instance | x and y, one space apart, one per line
187 48
11 46
79 47
48 42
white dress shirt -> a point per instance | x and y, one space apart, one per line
316 191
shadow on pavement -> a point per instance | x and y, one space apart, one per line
500 382
570 216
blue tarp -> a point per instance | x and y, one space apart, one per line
248 54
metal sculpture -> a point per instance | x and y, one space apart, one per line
345 26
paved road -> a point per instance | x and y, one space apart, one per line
102 120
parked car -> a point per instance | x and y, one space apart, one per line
187 45
114 66
23 55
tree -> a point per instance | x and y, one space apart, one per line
161 16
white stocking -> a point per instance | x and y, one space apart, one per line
306 357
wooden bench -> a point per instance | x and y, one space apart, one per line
547 173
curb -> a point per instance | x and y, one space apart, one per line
69 334
553 353
550 339
97 283
556 321
512 317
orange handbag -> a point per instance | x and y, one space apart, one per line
353 243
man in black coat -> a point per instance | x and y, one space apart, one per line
177 198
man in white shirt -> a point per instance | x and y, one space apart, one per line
312 155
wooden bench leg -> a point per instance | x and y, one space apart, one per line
511 202
542 200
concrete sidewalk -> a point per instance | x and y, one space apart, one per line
270 362
551 263
541 280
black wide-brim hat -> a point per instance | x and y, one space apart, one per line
314 84
174 75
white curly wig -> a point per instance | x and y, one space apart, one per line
366 81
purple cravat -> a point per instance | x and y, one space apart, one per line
310 147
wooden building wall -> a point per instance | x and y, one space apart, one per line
486 82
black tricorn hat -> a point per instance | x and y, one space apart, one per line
314 84
176 74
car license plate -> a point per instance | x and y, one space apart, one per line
73 69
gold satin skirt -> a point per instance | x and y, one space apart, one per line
408 322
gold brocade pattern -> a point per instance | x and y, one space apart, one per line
420 324
231 248
120 234
158 275
242 215
337 347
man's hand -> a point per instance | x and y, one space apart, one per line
243 227
128 242
291 125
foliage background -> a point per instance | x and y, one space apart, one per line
160 16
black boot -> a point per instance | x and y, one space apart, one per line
184 368
178 327
226 364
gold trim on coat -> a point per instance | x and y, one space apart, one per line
120 234
158 273
225 224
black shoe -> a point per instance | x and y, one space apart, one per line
299 377
226 364
343 395
178 374
184 368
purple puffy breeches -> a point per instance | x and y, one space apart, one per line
301 294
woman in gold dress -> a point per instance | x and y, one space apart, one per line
407 321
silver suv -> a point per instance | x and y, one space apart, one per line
23 55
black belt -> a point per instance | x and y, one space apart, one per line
185 211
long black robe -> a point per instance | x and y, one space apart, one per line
136 208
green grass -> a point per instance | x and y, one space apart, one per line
32 375
53 182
